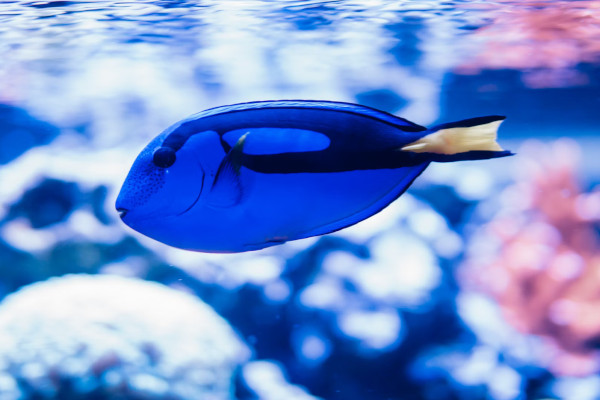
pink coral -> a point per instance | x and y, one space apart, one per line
539 257
548 39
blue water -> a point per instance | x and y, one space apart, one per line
378 311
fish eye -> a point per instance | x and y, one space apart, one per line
164 157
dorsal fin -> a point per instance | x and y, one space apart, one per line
176 135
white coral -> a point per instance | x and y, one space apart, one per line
102 332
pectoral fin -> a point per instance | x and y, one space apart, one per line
227 190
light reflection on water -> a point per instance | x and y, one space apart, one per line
218 52
211 53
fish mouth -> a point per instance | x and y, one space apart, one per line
122 212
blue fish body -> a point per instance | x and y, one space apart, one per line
252 175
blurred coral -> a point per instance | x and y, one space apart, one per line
546 39
21 131
363 292
48 203
108 337
267 380
539 257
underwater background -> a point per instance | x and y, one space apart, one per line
481 282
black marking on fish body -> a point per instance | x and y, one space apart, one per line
468 155
466 123
330 161
224 144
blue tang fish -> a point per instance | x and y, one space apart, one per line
248 176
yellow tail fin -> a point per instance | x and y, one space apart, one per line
477 134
